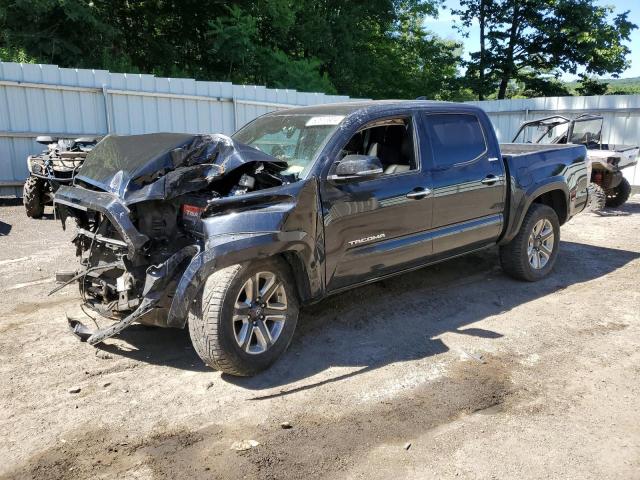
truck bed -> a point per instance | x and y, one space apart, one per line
613 157
617 147
518 149
530 164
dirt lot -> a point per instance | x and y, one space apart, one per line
483 376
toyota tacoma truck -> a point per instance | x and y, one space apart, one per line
231 236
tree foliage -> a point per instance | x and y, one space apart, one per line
361 48
591 86
375 48
522 39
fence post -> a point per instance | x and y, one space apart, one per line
107 112
235 113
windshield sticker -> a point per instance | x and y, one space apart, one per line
324 121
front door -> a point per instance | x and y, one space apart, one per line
377 226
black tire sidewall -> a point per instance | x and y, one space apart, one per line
538 213
32 197
254 363
621 194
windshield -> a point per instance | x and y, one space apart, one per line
543 133
296 139
587 132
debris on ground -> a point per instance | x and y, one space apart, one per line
243 445
477 358
103 355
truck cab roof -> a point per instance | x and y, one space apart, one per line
374 107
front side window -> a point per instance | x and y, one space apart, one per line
455 138
296 139
390 140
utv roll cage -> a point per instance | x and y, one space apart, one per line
556 120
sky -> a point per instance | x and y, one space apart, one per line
443 27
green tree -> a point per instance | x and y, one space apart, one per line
374 48
518 37
591 86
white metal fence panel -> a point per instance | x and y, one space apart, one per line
621 115
48 100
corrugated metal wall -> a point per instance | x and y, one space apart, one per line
621 117
45 99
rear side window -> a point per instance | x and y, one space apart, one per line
455 138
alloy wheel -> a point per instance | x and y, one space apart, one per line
540 245
260 312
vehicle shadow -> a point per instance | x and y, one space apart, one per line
622 211
399 319
391 321
5 228
158 346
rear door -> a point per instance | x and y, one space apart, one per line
380 225
468 179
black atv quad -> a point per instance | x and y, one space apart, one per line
55 166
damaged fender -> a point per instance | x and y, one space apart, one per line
296 237
231 250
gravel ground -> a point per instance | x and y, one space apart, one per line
454 371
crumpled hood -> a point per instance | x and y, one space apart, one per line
159 166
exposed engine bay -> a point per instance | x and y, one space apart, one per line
137 202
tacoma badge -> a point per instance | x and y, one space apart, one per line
367 239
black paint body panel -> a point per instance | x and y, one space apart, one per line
312 222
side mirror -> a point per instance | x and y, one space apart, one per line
357 166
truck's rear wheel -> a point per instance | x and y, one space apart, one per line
33 197
245 317
617 196
532 253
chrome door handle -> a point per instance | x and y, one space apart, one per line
491 179
418 193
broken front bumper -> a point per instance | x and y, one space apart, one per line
159 280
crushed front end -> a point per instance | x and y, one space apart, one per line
137 203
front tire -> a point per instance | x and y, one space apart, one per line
33 197
617 196
245 317
532 253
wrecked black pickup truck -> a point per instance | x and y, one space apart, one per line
232 235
